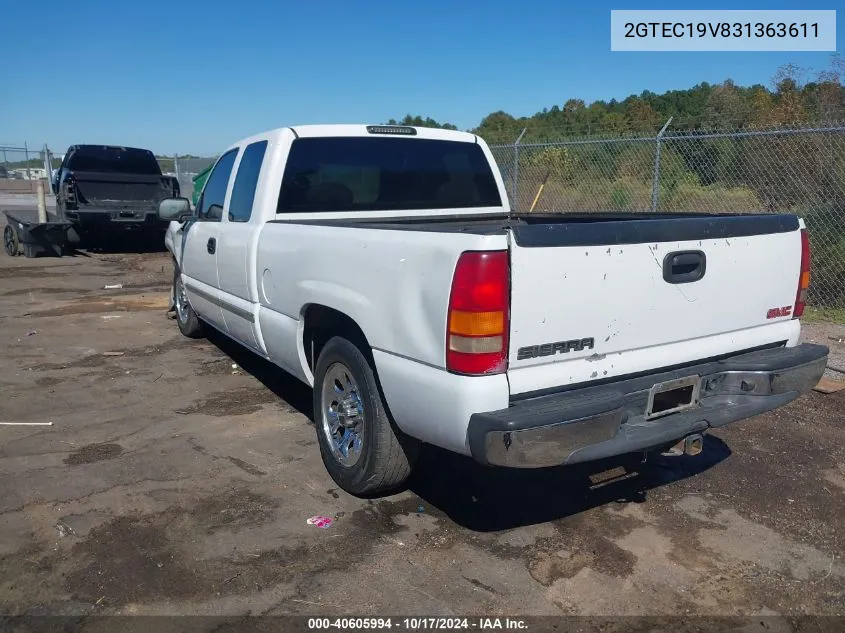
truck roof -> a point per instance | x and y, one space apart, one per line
97 145
357 129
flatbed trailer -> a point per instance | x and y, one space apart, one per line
25 235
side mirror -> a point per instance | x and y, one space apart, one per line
178 209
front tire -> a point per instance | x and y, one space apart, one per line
186 318
361 448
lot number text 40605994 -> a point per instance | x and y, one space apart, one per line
417 624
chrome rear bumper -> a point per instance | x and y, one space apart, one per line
600 421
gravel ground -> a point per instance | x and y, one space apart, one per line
832 335
172 483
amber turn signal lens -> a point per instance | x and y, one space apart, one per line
476 323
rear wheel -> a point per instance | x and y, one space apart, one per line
10 241
186 318
361 448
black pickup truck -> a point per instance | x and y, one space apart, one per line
102 187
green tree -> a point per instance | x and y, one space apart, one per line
498 127
642 117
418 121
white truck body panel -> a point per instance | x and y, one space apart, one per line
394 284
617 296
434 404
540 376
403 313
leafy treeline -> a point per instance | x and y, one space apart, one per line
790 101
418 121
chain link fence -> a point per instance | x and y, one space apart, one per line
22 168
785 170
23 163
185 169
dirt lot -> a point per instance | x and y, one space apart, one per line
172 483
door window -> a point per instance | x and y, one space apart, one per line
210 206
243 194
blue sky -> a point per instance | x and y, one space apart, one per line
192 77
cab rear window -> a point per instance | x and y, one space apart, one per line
373 174
116 160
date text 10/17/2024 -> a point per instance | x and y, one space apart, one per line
417 624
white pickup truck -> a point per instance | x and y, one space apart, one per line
382 266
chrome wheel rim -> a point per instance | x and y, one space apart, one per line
342 415
181 299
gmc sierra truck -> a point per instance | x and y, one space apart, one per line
382 266
102 187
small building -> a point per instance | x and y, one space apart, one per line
32 173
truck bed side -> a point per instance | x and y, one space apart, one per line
395 286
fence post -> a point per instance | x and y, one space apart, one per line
655 182
41 200
515 175
26 156
48 167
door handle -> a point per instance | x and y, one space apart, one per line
211 247
683 267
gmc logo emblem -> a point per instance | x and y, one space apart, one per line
775 313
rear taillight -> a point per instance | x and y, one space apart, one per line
477 322
804 279
70 197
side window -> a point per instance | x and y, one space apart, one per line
243 194
210 206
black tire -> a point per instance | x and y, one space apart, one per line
386 455
10 241
187 320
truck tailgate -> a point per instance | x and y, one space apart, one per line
595 300
118 190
